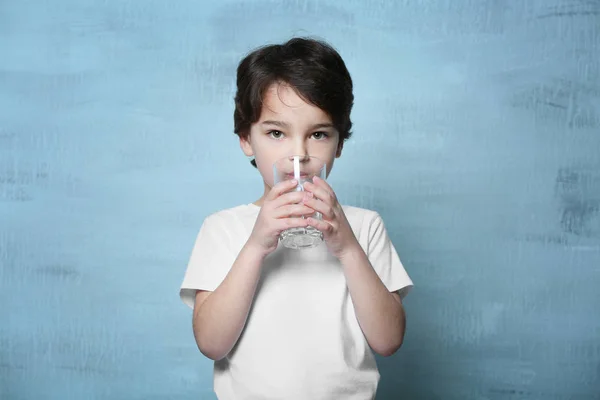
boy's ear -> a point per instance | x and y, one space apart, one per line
338 153
245 146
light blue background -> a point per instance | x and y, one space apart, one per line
477 138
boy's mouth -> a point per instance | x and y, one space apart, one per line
302 175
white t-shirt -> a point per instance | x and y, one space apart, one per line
302 339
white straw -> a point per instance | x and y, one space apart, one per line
297 170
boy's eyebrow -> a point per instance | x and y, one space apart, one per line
282 124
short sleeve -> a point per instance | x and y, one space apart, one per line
210 260
385 260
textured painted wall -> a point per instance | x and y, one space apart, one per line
477 137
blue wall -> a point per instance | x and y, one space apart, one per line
477 137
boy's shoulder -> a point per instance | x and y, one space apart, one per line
360 216
234 213
359 211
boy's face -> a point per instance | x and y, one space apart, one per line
288 126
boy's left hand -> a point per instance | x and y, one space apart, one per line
337 232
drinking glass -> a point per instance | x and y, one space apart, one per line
303 169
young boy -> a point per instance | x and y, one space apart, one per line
294 324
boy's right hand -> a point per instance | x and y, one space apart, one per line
276 214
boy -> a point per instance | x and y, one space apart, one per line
294 324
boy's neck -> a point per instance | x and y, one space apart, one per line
259 202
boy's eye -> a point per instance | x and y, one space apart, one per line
278 134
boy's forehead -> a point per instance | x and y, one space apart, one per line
281 101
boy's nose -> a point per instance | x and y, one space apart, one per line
300 151
302 156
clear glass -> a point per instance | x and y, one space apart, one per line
303 169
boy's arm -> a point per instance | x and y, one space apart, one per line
379 312
219 317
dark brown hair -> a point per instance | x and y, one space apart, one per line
312 67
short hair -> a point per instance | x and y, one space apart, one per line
312 67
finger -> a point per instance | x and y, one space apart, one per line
320 193
325 209
323 183
280 188
286 223
323 226
288 198
292 210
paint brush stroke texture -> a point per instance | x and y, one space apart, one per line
476 137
